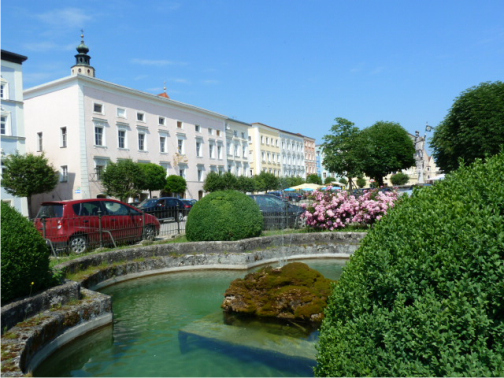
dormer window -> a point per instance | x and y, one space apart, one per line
140 117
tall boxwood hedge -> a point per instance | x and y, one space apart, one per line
224 215
25 256
424 294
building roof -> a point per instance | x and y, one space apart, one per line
13 57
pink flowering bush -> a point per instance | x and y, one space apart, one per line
331 210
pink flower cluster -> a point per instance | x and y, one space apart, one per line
337 210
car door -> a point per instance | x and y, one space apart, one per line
122 222
87 221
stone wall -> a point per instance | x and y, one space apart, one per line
37 326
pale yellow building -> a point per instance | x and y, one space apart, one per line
264 149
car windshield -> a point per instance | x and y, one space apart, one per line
148 203
50 211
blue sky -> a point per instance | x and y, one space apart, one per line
295 65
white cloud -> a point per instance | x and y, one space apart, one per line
65 18
181 81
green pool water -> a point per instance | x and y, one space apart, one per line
144 338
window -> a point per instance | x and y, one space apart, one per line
3 125
218 132
200 175
237 150
64 173
162 144
63 137
244 151
210 131
182 172
198 149
197 128
179 124
141 142
235 133
140 117
162 121
121 112
4 90
262 139
98 136
219 152
212 151
99 171
121 138
180 146
243 135
39 141
98 108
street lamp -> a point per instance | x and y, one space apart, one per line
419 152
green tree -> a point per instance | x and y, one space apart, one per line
343 181
329 179
473 128
123 179
314 179
27 175
213 182
245 184
341 150
399 178
384 148
154 177
230 181
175 185
361 182
266 181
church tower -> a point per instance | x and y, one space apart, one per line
82 59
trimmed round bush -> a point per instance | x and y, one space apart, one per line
224 215
424 293
25 257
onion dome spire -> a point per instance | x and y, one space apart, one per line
82 60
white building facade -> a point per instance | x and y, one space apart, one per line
82 123
237 147
12 117
293 154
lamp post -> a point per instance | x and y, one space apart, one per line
419 152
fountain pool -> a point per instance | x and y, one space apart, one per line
144 340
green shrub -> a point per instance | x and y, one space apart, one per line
25 257
224 215
424 293
399 179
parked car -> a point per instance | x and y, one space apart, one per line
165 208
277 213
293 196
278 194
76 225
188 204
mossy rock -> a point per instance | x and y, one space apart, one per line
293 292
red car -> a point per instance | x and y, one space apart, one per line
77 225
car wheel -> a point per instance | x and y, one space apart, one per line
150 233
78 244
